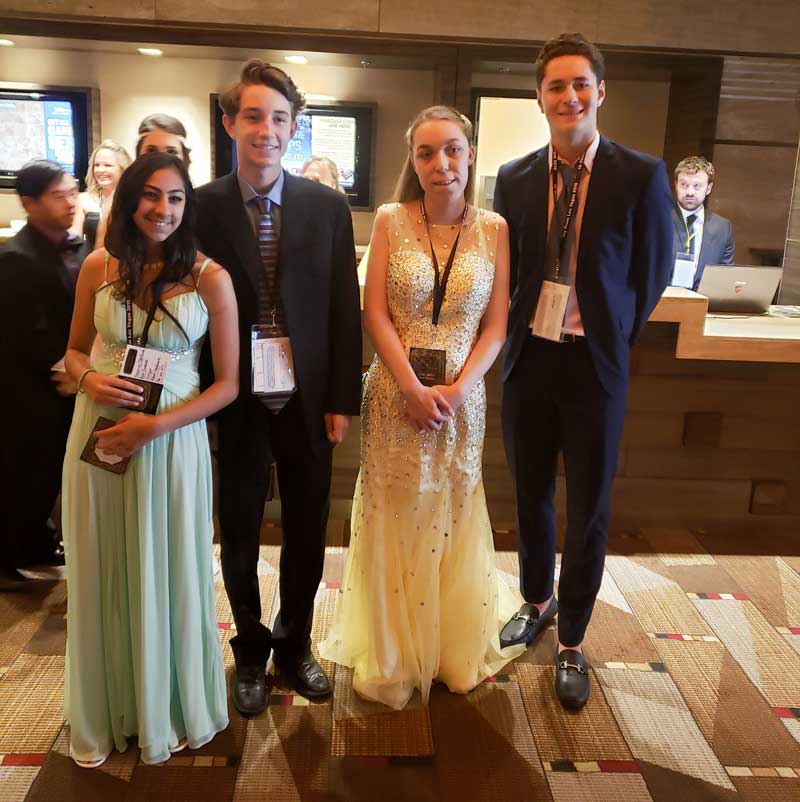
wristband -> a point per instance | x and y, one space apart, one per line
83 376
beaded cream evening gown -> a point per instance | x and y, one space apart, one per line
420 600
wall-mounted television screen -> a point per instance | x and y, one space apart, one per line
344 132
43 123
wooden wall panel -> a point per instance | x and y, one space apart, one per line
97 9
692 111
720 25
342 15
536 20
734 25
753 190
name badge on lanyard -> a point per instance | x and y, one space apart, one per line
145 366
273 365
551 308
430 364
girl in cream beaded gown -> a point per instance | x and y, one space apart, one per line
420 599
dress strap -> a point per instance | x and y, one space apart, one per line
200 272
105 268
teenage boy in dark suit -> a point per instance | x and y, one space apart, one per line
288 245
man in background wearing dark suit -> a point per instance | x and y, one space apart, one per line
590 236
38 271
288 245
700 237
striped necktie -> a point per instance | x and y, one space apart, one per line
270 306
690 232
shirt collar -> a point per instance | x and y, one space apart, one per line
248 193
700 213
588 159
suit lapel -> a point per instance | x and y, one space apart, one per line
602 176
679 227
291 232
237 225
536 209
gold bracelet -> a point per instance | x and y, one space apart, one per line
82 376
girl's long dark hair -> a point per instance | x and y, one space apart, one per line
125 242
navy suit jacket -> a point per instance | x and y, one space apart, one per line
716 247
318 283
624 255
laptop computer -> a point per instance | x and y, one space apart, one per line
736 288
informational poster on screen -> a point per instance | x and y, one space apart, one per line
324 135
36 129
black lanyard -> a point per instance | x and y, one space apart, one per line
573 198
141 340
440 284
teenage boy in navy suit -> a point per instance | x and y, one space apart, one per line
588 266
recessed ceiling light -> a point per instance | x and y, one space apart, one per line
150 51
6 43
365 63
297 59
504 69
320 98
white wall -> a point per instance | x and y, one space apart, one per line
634 112
132 86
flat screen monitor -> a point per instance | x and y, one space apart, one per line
43 123
344 132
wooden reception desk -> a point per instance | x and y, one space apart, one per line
712 433
741 338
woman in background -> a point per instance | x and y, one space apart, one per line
161 133
143 650
106 164
322 170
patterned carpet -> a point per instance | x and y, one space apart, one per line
695 654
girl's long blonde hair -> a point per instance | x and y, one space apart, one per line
120 154
408 187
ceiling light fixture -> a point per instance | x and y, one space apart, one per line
150 51
297 59
365 63
6 43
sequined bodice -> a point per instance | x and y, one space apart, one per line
410 282
392 450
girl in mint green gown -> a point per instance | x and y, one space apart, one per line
143 649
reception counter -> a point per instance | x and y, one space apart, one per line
742 338
712 433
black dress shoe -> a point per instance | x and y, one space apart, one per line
249 692
306 676
526 624
572 679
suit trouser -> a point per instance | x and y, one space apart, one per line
248 442
553 401
30 478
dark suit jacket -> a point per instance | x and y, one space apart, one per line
716 247
36 300
624 256
319 289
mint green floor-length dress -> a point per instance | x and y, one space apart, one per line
143 649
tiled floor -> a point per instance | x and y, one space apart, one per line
695 653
